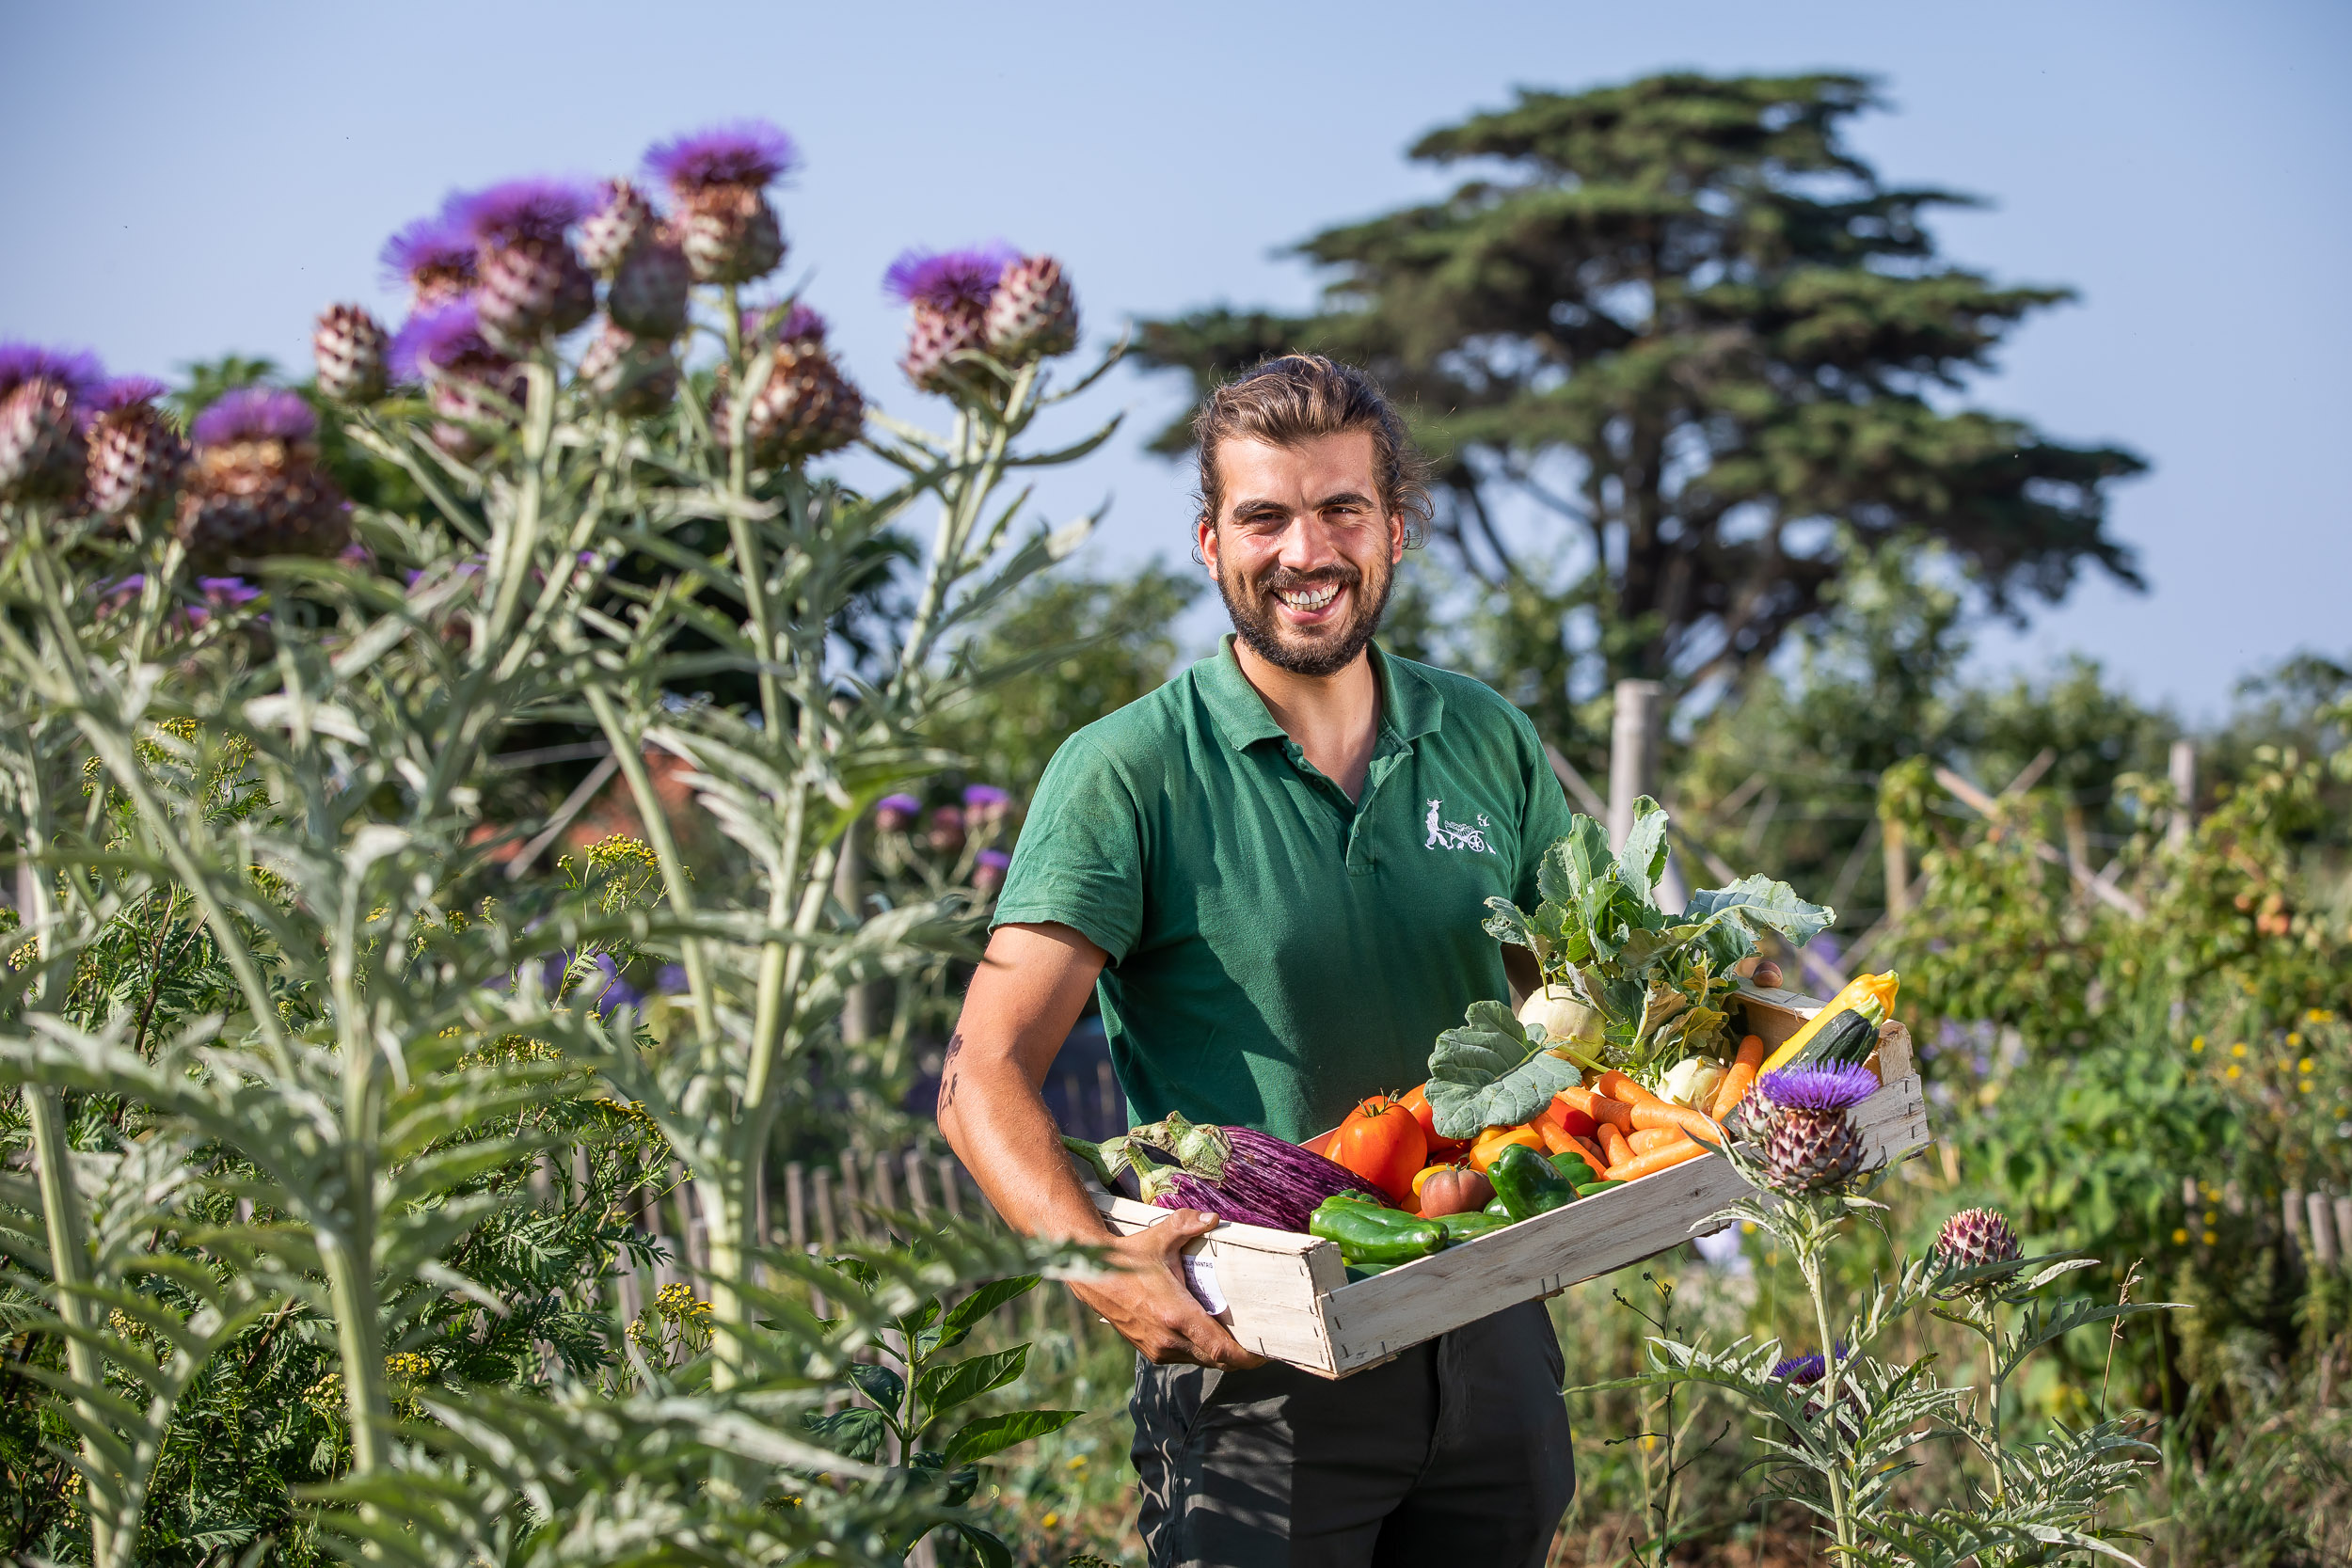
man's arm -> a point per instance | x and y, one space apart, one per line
1020 1006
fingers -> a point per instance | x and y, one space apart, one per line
1182 1228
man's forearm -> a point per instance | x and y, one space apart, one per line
998 1125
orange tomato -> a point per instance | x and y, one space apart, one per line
1416 1101
1493 1140
1382 1142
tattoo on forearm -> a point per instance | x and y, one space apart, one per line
948 1070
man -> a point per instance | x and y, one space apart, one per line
1241 863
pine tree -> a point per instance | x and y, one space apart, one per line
1685 323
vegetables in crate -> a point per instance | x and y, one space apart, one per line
1655 980
1382 1141
1366 1233
1450 1190
1844 1033
1527 1182
1236 1173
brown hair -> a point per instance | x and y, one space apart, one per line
1298 396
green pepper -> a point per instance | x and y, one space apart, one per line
1578 1167
1527 1183
1469 1228
1495 1207
1369 1235
1590 1187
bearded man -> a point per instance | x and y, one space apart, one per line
1241 865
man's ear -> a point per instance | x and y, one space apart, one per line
1396 537
1204 543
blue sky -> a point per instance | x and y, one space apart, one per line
184 181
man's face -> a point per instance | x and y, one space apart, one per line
1301 550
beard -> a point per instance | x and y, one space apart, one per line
1326 651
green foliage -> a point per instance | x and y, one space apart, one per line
1682 324
1653 978
1065 652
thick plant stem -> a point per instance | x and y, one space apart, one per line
1840 1508
67 1271
1992 1381
359 1341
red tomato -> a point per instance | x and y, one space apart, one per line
1439 1149
1381 1142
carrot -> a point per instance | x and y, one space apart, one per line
1599 1106
1557 1139
1697 1124
1654 1138
1593 1156
1735 1085
1618 1086
1612 1144
1639 1166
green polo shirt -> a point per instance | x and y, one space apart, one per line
1277 951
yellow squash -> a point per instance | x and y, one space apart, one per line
1879 986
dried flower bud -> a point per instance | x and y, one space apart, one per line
348 348
1032 313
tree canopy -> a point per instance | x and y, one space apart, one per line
1685 323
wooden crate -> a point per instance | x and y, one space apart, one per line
1288 1297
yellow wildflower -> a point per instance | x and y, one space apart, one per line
2179 1238
2198 1044
2233 1071
2303 1065
2238 1049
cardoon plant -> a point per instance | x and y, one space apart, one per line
307 773
1840 1427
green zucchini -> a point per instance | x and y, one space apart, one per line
1846 1040
1590 1187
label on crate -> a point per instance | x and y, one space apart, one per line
1200 1275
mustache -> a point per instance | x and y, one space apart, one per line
1282 579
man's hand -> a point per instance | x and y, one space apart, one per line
1146 1301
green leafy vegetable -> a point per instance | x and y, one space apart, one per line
1655 978
1491 1072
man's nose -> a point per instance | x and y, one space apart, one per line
1307 545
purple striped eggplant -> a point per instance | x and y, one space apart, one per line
1236 1173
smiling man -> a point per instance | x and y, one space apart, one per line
1273 871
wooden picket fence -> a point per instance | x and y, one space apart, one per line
853 1198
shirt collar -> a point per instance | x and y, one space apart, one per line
1410 706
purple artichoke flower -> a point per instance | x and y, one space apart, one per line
798 324
988 869
77 371
1818 1088
1802 1371
255 413
748 152
446 337
895 813
670 979
953 280
226 590
434 257
126 391
946 831
520 210
980 797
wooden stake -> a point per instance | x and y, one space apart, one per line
2178 832
950 1187
917 1203
1898 868
2321 1215
796 1203
1632 752
853 1201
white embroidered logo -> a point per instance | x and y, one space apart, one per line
1457 835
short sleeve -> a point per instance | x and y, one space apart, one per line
1546 821
1079 860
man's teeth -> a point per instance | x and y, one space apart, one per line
1309 598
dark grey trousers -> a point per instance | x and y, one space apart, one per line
1455 1452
